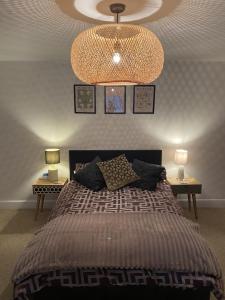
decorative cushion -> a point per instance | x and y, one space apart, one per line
80 166
90 176
163 175
149 174
117 172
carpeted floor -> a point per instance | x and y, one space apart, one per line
18 226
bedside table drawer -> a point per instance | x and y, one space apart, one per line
42 187
187 189
47 189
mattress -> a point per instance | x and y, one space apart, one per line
47 261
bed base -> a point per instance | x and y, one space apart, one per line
119 292
128 292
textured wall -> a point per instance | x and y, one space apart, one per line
36 111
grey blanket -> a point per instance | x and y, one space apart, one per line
153 241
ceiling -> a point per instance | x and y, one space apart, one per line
33 30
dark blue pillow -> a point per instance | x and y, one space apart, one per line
91 176
150 174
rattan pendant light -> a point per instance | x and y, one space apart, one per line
117 54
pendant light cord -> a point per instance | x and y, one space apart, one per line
117 8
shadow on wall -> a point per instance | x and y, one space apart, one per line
22 156
208 153
48 127
37 112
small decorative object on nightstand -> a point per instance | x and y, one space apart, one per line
52 157
189 186
181 159
42 187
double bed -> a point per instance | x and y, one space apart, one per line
125 243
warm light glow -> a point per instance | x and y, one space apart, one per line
52 156
177 140
96 60
52 149
181 157
116 58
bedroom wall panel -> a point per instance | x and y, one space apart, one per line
36 111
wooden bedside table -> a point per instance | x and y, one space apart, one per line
189 186
42 187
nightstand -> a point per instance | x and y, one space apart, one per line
42 187
189 186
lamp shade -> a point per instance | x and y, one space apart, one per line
117 54
52 156
181 156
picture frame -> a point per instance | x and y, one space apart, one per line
144 99
115 99
84 99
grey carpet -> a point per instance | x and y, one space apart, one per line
18 226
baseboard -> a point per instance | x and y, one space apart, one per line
213 203
24 204
31 204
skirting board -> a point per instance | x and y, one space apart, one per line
31 204
24 204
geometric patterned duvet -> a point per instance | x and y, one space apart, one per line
76 199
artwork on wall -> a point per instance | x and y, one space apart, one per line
115 100
144 99
85 99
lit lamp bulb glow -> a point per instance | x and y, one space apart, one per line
116 58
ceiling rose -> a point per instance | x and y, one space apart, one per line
97 11
137 10
117 54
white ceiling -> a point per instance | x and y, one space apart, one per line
39 30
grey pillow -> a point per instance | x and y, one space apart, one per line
90 176
149 175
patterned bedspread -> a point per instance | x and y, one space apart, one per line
75 199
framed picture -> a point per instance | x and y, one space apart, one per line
144 99
84 99
115 99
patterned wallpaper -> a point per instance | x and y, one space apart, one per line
38 30
36 111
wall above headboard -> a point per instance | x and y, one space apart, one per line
36 111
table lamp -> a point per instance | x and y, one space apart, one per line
52 157
181 157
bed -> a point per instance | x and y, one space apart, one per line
97 245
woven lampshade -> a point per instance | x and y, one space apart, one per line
117 54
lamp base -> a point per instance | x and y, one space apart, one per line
180 174
53 175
